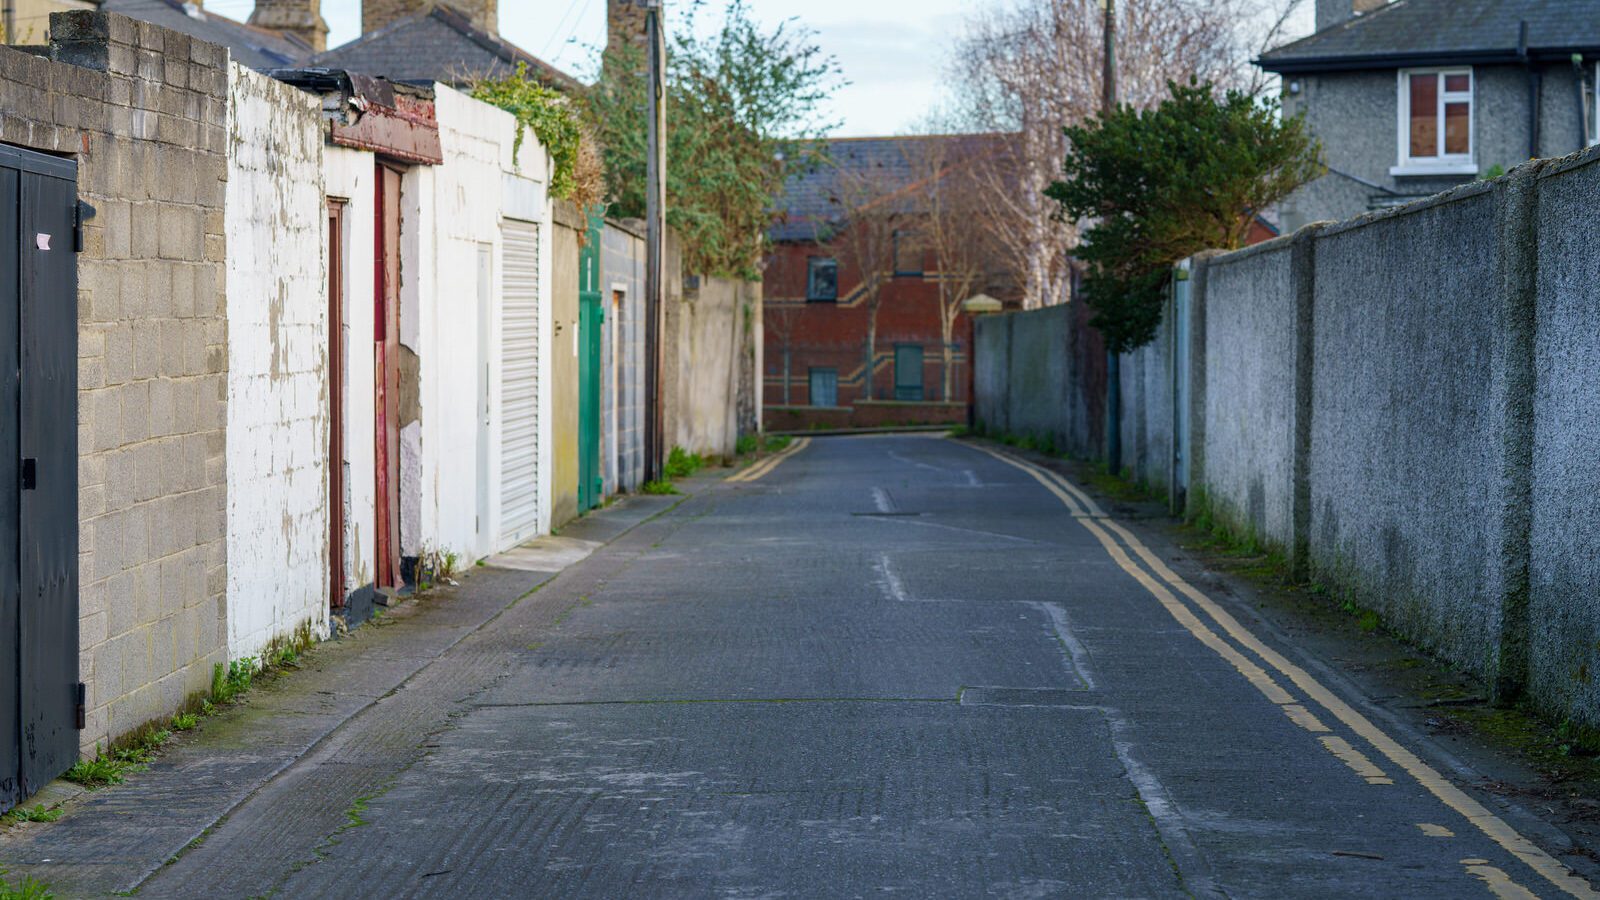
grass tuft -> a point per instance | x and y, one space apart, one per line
26 889
659 487
683 464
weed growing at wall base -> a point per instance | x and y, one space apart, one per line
26 889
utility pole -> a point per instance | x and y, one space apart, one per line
1108 105
8 20
655 236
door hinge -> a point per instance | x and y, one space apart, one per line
82 710
81 213
30 474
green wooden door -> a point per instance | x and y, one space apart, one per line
591 318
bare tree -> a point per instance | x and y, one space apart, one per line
1028 68
953 223
869 201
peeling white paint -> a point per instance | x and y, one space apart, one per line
277 307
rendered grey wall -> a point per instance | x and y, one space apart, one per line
1406 424
1037 375
1249 391
1564 602
991 364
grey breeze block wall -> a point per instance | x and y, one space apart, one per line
622 262
142 110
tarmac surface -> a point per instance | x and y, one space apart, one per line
883 664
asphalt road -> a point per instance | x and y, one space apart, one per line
894 664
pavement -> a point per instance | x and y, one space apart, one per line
882 664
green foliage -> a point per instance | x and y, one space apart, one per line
185 721
97 772
683 464
748 444
40 813
26 889
778 442
549 114
1162 184
659 487
231 681
743 111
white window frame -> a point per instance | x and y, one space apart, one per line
1443 163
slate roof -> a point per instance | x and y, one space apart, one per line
258 48
440 45
811 200
1433 32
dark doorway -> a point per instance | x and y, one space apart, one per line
41 699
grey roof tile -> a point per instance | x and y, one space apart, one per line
1415 31
258 48
441 45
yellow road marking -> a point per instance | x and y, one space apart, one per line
1485 821
1305 718
1432 830
1355 759
1497 881
763 468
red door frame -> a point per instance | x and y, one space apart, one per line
386 347
336 348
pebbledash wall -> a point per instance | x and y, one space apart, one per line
143 112
278 391
1404 404
1042 374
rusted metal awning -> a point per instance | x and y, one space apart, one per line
393 120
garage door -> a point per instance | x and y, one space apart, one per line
519 383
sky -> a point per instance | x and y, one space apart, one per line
893 52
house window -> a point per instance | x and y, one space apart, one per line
822 279
824 387
908 254
1436 122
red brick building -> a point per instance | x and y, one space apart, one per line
815 310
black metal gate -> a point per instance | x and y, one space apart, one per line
41 699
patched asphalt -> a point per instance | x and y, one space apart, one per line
893 664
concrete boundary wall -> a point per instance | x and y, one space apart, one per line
1041 374
1403 404
278 340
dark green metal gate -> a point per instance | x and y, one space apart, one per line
591 318
41 700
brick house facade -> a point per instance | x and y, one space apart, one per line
816 315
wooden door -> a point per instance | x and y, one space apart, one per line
386 348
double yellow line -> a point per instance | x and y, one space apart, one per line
766 466
1159 579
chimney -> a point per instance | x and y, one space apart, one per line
625 23
1337 12
301 18
376 14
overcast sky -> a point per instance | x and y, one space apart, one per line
892 51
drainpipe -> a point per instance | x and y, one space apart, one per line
1578 78
1535 90
8 17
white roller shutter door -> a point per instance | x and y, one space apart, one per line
519 383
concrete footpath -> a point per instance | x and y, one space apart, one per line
113 839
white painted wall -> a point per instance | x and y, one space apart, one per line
478 184
277 306
349 175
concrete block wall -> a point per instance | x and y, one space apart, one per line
278 341
143 112
622 264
